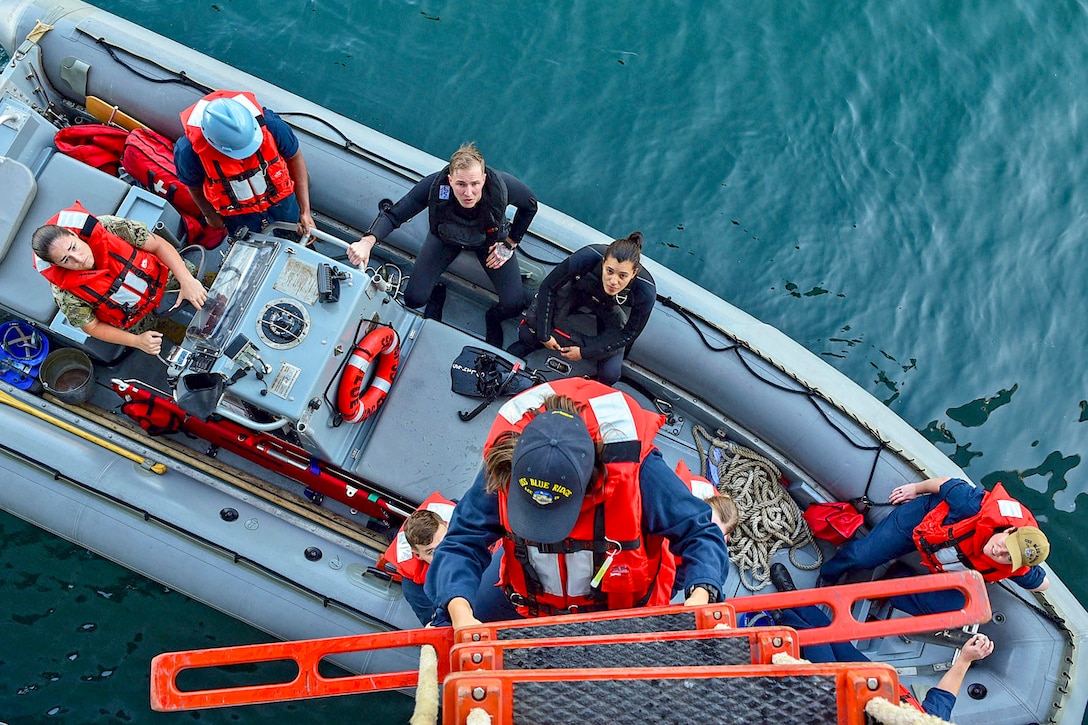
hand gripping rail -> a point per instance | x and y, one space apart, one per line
307 654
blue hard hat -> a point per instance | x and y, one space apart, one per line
230 128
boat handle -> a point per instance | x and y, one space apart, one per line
247 423
324 237
314 232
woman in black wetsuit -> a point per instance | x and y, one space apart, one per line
605 283
466 207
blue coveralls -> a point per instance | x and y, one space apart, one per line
894 537
668 509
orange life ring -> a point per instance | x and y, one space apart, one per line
354 403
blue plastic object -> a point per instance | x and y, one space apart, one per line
22 350
755 619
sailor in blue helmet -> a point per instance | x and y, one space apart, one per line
242 164
466 208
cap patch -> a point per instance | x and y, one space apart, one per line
544 493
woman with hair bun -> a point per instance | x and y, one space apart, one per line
605 283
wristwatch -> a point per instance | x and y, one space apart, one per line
713 591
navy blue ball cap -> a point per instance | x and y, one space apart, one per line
550 471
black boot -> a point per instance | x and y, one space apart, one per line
519 349
781 579
783 582
435 303
493 324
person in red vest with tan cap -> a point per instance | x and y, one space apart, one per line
242 164
109 274
583 502
954 526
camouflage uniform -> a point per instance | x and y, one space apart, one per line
79 312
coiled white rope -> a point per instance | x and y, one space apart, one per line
769 518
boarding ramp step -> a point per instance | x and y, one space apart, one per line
744 695
624 622
167 695
748 646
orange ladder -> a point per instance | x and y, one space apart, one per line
307 654
699 648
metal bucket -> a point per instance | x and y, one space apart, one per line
68 374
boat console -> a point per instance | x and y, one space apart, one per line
268 348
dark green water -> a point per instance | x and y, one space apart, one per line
896 184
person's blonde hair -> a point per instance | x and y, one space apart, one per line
466 157
726 508
498 462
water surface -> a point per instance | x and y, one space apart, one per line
896 185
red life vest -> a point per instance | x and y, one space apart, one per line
238 186
907 697
958 546
126 283
702 489
545 579
400 554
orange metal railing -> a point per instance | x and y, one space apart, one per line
307 654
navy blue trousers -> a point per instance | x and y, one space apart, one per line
891 538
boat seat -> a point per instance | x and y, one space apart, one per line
62 181
19 189
156 212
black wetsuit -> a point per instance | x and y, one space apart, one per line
575 287
438 253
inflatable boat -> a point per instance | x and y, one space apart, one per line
261 498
